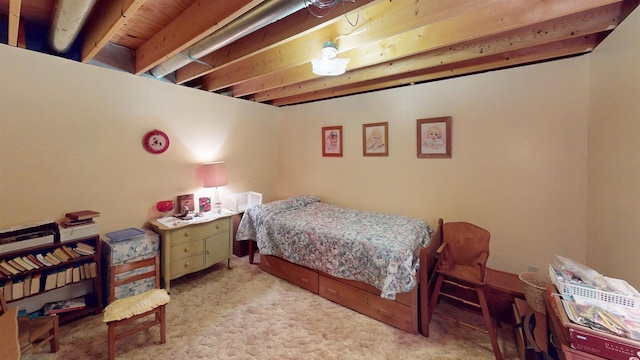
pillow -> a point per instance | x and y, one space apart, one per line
291 203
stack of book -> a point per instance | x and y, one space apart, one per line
77 218
18 287
84 249
60 255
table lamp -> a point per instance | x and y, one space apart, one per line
214 175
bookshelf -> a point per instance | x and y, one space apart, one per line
42 283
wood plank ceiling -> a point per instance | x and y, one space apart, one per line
389 43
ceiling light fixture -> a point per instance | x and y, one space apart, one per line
329 64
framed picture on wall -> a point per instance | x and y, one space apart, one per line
434 137
332 141
375 139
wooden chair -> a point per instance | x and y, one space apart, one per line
124 313
462 259
35 333
9 339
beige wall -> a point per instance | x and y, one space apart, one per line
518 165
71 139
614 154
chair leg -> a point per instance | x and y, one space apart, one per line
163 325
55 341
112 341
488 321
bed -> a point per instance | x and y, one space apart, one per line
377 264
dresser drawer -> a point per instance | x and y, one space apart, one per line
186 265
218 227
185 250
184 235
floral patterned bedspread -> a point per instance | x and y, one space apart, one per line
378 249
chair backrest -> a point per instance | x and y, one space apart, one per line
122 268
465 242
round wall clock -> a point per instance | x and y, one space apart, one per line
155 142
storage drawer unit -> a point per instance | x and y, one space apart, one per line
121 252
192 247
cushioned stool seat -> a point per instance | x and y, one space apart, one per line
134 305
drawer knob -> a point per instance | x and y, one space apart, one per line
186 234
186 265
186 249
217 226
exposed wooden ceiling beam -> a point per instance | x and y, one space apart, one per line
14 22
382 19
478 23
585 22
198 21
507 59
108 18
271 35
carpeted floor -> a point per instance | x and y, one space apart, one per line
243 313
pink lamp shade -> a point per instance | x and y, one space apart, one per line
214 174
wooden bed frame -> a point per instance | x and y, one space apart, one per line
408 312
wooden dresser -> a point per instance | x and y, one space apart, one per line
188 248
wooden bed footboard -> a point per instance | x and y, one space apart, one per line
407 312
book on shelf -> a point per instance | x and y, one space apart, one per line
61 254
17 266
5 265
68 223
17 289
87 271
62 278
4 273
52 259
27 285
93 269
76 273
69 275
51 281
35 260
6 289
28 262
62 306
23 263
42 259
84 249
86 246
35 283
72 254
82 215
